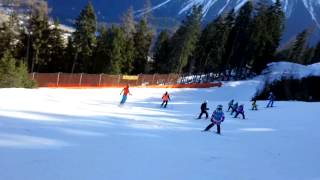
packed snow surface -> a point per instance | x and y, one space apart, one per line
83 134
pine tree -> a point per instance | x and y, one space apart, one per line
56 50
202 50
102 50
14 73
240 38
129 29
110 50
184 41
9 36
115 55
211 47
299 46
307 55
69 55
230 22
37 38
316 55
161 53
142 43
148 10
264 45
84 39
128 23
8 77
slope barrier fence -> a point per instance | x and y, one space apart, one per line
65 80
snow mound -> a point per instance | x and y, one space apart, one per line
278 70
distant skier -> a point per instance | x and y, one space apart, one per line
165 99
125 91
271 99
216 119
230 105
234 108
240 110
204 110
254 105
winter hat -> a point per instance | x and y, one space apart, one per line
219 107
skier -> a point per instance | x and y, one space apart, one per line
234 108
271 99
165 99
240 110
254 105
204 109
125 91
230 105
216 119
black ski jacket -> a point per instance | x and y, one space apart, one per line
204 107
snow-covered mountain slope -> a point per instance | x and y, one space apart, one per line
300 14
311 6
83 134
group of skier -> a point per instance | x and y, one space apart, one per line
235 108
217 116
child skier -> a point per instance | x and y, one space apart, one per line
240 110
271 100
165 99
234 108
125 92
230 105
216 119
254 105
204 110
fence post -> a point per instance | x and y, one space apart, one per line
154 75
119 79
80 81
58 79
33 74
167 83
138 80
100 79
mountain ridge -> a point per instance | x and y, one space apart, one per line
300 14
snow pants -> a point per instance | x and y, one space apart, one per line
164 104
233 111
254 107
211 125
124 99
270 104
242 113
203 112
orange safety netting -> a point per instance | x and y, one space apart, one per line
64 80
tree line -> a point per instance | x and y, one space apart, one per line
237 40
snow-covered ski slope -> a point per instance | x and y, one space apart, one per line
82 134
